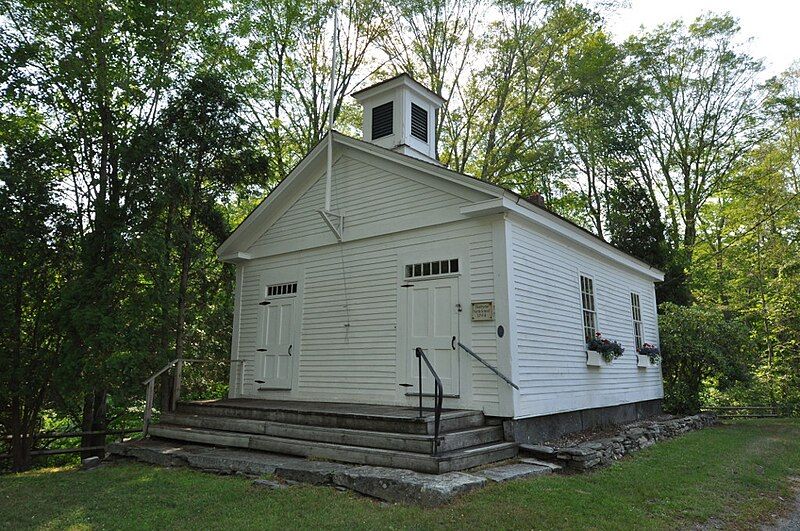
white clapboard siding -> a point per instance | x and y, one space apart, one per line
359 362
484 338
357 282
550 353
368 195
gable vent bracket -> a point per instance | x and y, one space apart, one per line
335 222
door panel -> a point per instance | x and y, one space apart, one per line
433 323
275 348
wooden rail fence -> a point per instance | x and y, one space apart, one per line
70 434
744 412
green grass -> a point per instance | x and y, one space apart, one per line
734 475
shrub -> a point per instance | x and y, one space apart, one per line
698 343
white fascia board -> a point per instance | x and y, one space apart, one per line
235 257
511 203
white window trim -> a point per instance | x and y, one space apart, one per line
581 276
634 320
432 276
282 295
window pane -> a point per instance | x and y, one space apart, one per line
454 266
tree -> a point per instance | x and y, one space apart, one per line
602 126
697 344
205 153
280 60
99 73
747 254
32 268
702 110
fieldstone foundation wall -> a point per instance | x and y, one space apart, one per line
535 430
600 452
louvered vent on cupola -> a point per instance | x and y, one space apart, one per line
400 114
419 122
382 120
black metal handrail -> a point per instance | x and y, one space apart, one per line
490 367
438 397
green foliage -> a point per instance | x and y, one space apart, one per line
33 262
699 343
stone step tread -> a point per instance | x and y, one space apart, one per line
372 418
408 413
444 462
514 471
176 419
158 429
412 442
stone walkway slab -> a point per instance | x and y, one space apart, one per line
514 471
387 484
407 486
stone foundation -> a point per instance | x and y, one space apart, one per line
535 430
600 452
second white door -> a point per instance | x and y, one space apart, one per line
275 345
433 326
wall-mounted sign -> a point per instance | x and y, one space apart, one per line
483 311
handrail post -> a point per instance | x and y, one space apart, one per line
176 385
419 371
438 397
148 406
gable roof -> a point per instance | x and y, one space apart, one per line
252 227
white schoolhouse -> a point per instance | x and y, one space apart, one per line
343 273
429 258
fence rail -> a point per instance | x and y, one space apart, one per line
68 435
744 412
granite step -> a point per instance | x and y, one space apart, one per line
346 416
407 442
444 462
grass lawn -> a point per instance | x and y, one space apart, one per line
735 475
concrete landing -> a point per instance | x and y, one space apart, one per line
388 484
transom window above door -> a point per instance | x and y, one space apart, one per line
429 269
287 288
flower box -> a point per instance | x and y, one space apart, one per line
601 351
644 361
595 359
648 355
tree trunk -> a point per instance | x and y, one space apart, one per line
95 418
186 263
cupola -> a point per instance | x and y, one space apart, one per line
400 114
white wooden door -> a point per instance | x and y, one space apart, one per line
275 346
433 326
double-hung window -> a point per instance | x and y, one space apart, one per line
589 311
636 314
